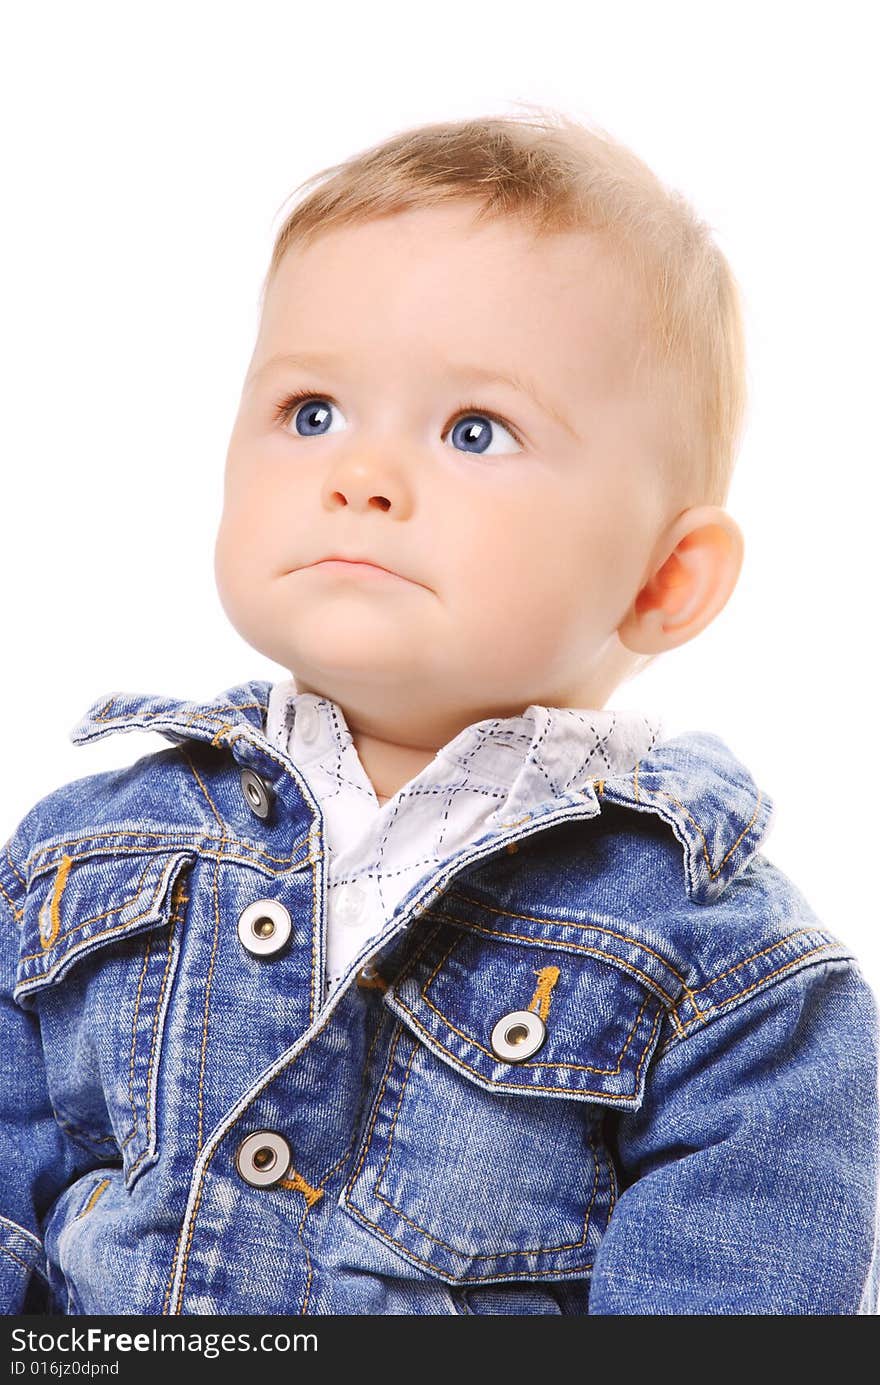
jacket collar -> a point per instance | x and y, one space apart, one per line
693 781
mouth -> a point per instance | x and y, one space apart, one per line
351 567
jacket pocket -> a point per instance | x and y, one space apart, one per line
99 950
480 1167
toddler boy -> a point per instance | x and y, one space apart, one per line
421 981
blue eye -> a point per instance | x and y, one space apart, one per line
312 416
479 434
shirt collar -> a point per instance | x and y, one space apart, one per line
542 754
694 780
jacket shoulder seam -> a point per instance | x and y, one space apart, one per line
13 887
821 954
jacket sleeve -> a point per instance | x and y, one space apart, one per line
749 1173
37 1158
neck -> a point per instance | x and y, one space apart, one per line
388 767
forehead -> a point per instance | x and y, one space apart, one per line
432 281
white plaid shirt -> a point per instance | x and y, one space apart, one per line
493 772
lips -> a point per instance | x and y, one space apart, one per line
357 565
360 561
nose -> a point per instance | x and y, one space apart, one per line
368 480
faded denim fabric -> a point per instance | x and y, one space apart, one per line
698 1132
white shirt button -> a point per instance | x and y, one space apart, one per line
307 721
350 904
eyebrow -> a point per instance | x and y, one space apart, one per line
322 360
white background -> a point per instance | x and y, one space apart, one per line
148 151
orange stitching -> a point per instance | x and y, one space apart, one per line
172 716
677 1022
93 1197
474 1043
717 871
189 1239
493 1255
309 1268
607 957
475 1278
320 1188
16 913
297 1181
17 1258
121 834
566 923
137 1006
395 1040
15 871
547 978
189 841
179 901
54 904
81 1134
754 956
34 981
647 1047
329 1174
414 957
665 794
117 909
227 725
825 947
216 938
264 750
195 849
367 1059
690 996
536 1087
201 785
202 1184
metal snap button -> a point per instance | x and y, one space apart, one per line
264 927
263 1158
257 794
350 904
518 1035
306 722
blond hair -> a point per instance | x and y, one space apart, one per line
560 175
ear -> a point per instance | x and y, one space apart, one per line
700 562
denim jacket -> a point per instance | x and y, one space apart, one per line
610 1064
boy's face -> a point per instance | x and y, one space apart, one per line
521 539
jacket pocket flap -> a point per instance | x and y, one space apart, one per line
87 901
601 1021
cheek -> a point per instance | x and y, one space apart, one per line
245 553
516 554
231 574
516 592
259 530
